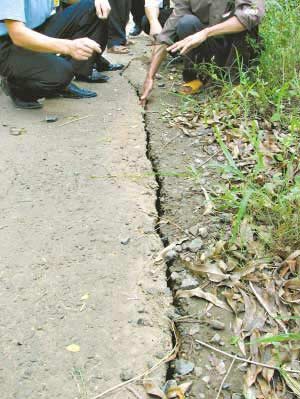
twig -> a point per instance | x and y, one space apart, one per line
208 159
3 227
74 120
241 359
170 141
267 309
166 359
225 378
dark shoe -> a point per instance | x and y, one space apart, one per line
73 91
114 67
19 102
95 77
136 30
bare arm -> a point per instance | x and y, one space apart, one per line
152 14
80 49
232 25
158 55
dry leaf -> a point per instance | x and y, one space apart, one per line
153 390
199 293
85 297
73 348
179 392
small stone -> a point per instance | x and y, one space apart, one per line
226 386
161 84
126 375
216 339
178 248
236 396
125 241
206 379
198 371
194 230
194 330
183 367
203 232
189 283
169 384
170 255
195 245
217 325
51 118
158 76
201 396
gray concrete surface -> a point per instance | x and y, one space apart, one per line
70 194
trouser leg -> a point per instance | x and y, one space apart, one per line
138 11
164 14
117 21
33 75
216 49
76 21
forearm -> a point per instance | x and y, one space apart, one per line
158 55
152 13
232 25
31 40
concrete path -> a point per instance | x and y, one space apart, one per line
77 239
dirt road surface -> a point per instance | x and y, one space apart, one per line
77 243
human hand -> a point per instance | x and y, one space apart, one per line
190 42
147 88
82 49
102 8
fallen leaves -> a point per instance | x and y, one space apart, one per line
73 348
199 293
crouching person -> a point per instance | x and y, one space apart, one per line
203 31
42 51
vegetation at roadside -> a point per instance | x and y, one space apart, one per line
257 125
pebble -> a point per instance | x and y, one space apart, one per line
189 283
125 240
161 84
201 396
126 375
194 230
236 396
198 371
183 367
170 255
203 232
217 325
195 245
51 118
206 379
216 339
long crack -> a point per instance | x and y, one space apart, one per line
159 209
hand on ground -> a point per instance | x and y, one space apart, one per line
190 42
147 88
82 49
102 8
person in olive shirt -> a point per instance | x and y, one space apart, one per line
202 30
41 51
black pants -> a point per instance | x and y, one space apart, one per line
117 21
33 75
222 51
138 11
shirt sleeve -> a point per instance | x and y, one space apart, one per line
168 34
14 10
249 12
153 3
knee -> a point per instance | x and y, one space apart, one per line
62 73
187 25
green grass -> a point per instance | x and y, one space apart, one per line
263 110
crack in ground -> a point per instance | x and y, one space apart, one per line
159 209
